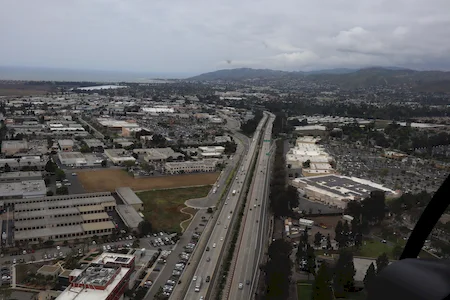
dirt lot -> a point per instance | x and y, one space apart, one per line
109 180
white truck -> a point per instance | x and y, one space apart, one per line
234 192
347 218
306 222
198 284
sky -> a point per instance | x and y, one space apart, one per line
196 36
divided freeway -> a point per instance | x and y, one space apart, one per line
245 266
211 256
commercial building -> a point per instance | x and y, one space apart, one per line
129 216
115 125
222 139
10 148
95 144
62 217
159 154
79 159
206 165
129 132
307 149
97 282
35 162
129 198
337 190
119 156
158 109
23 189
65 145
208 152
20 176
315 130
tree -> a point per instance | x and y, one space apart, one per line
321 289
382 262
136 243
209 210
370 275
50 166
310 260
317 239
145 227
278 270
62 190
344 274
329 246
7 168
292 196
338 231
307 164
50 193
60 175
104 163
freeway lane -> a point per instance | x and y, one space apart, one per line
246 263
210 259
211 200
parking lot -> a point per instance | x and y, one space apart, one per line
409 174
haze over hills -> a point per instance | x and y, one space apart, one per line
433 81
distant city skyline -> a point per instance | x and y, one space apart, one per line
201 36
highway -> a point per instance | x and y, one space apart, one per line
212 254
209 201
246 262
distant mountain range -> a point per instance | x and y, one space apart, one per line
431 81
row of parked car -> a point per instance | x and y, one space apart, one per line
6 276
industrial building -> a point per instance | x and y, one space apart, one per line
307 149
20 176
23 189
36 162
315 130
158 109
337 190
206 165
94 144
115 125
65 145
212 151
62 217
119 156
129 198
78 159
98 281
159 154
10 148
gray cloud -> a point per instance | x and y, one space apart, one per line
199 35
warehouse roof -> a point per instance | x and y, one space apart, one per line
129 216
128 196
98 226
47 232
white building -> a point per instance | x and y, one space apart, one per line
207 165
158 109
119 156
208 151
65 145
23 189
336 190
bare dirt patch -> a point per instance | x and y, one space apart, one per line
110 179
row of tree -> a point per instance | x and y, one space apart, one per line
249 127
282 197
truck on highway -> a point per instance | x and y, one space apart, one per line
234 192
198 284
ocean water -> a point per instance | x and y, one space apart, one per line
49 74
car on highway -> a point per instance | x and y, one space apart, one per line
208 278
247 282
226 203
221 239
208 259
226 226
194 278
214 245
201 297
229 217
207 248
241 286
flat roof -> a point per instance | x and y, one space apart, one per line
98 226
43 212
117 258
81 203
48 221
97 216
63 143
81 293
128 196
25 188
20 174
46 232
129 215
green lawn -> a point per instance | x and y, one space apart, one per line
162 207
375 249
304 291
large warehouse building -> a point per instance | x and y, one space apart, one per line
337 190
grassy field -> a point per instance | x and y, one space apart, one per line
162 207
109 179
375 249
304 291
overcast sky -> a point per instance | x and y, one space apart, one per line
199 36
